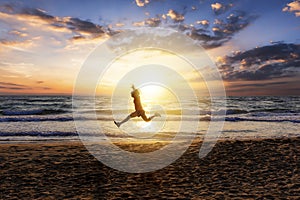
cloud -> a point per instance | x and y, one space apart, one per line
216 6
13 86
175 16
278 87
207 35
260 85
140 23
151 22
235 22
267 72
81 26
264 63
77 37
293 7
18 33
204 23
45 88
142 3
223 30
39 18
219 8
19 45
119 24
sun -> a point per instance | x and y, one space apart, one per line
152 92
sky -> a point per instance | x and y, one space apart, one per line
255 44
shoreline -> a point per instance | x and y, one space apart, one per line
266 168
197 139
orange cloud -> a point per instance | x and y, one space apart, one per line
293 7
219 8
119 24
175 16
140 23
141 3
216 6
203 22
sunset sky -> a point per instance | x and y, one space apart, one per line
255 44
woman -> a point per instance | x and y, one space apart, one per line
139 111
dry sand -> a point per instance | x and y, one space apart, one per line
233 170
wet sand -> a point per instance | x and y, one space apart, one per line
232 170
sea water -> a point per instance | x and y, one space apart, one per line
51 118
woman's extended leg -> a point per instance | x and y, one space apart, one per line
134 114
122 122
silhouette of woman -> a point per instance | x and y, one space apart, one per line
139 111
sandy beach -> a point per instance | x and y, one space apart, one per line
233 170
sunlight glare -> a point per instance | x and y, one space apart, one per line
152 92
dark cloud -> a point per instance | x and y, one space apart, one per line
261 54
77 37
287 87
7 8
263 63
222 30
37 13
267 72
13 86
209 35
76 25
259 85
206 39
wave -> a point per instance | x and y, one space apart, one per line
273 110
34 112
293 119
176 111
262 112
56 100
35 119
33 133
229 112
57 119
238 119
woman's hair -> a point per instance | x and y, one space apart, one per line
135 93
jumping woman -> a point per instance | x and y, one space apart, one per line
139 111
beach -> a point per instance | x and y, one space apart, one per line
42 155
234 169
149 99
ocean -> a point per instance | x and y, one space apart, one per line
50 118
